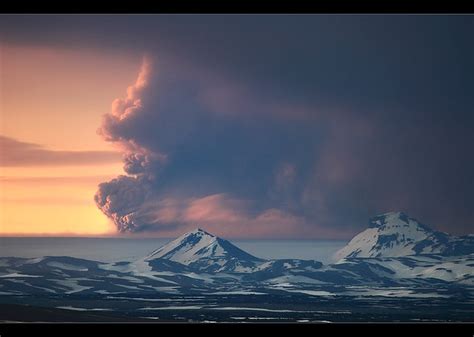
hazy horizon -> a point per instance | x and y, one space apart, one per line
115 249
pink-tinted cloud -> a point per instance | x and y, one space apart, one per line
17 153
137 159
227 216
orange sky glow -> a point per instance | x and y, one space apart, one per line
55 98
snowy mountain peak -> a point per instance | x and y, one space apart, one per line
385 218
198 231
198 245
396 234
393 220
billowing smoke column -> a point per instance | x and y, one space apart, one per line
198 150
122 198
187 166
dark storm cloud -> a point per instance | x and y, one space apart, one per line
189 163
326 119
362 60
16 153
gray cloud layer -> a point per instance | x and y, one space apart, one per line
16 153
314 122
313 172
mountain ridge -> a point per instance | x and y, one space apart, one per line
204 251
396 234
200 262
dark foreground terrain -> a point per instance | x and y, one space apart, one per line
231 308
19 313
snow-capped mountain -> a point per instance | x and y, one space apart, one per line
203 251
395 251
396 234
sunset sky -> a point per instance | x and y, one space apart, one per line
248 126
52 158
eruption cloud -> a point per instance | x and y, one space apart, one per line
145 200
201 150
122 198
